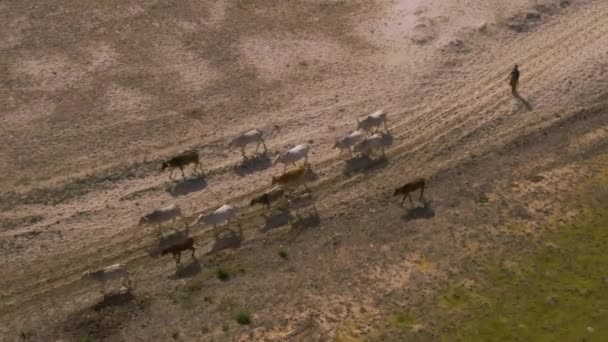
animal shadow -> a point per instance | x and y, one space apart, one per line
232 240
523 101
249 165
310 175
167 241
364 164
187 186
118 298
388 139
310 220
191 270
277 220
419 212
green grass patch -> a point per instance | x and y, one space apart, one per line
283 254
559 292
482 199
223 274
243 317
194 285
401 321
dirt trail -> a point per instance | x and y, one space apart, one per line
456 107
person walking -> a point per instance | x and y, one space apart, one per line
514 79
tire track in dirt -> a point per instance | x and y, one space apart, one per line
458 99
462 103
494 93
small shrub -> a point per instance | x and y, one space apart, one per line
223 274
26 335
225 327
207 299
283 254
87 339
205 329
243 317
483 199
175 334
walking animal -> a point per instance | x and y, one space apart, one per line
116 271
373 121
292 178
182 160
221 215
268 198
371 144
161 215
406 189
293 155
177 249
345 143
255 135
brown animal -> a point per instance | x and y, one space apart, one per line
406 189
177 249
514 79
292 178
182 160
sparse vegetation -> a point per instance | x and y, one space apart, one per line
243 317
175 334
223 274
283 254
402 320
194 285
26 335
87 339
482 199
558 293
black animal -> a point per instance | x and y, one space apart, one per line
182 160
406 189
177 249
268 198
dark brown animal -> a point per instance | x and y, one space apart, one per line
514 79
406 189
268 198
177 249
182 160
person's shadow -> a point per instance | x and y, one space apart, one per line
523 101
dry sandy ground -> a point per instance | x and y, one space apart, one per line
95 95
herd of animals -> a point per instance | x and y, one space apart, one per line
359 141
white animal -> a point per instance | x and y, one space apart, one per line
161 215
345 143
373 121
116 271
219 216
293 155
369 145
255 135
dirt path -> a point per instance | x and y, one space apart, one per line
456 108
